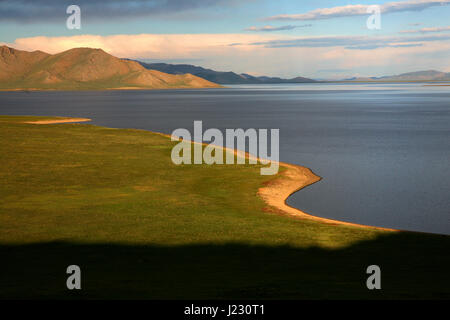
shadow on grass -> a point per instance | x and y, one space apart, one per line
412 265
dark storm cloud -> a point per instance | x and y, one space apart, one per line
50 10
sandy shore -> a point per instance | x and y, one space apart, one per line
294 178
59 121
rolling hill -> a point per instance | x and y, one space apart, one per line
84 68
221 77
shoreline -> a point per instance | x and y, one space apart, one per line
296 177
275 192
65 120
29 90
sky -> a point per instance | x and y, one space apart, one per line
319 39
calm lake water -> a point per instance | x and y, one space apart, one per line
382 150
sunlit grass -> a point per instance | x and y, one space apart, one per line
95 185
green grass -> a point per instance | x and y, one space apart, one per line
111 201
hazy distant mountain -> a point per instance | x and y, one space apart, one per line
420 75
219 76
429 75
84 68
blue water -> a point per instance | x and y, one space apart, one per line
382 150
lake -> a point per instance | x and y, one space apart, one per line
382 150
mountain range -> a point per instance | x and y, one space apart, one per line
84 68
221 77
428 75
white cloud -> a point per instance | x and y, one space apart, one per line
281 28
360 9
152 46
215 52
427 30
350 42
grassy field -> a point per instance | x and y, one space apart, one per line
112 202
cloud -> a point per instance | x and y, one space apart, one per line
360 9
53 10
376 46
349 42
152 46
177 47
272 28
214 51
427 30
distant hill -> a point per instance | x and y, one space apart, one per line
220 77
84 68
429 75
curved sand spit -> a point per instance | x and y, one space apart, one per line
59 121
294 178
